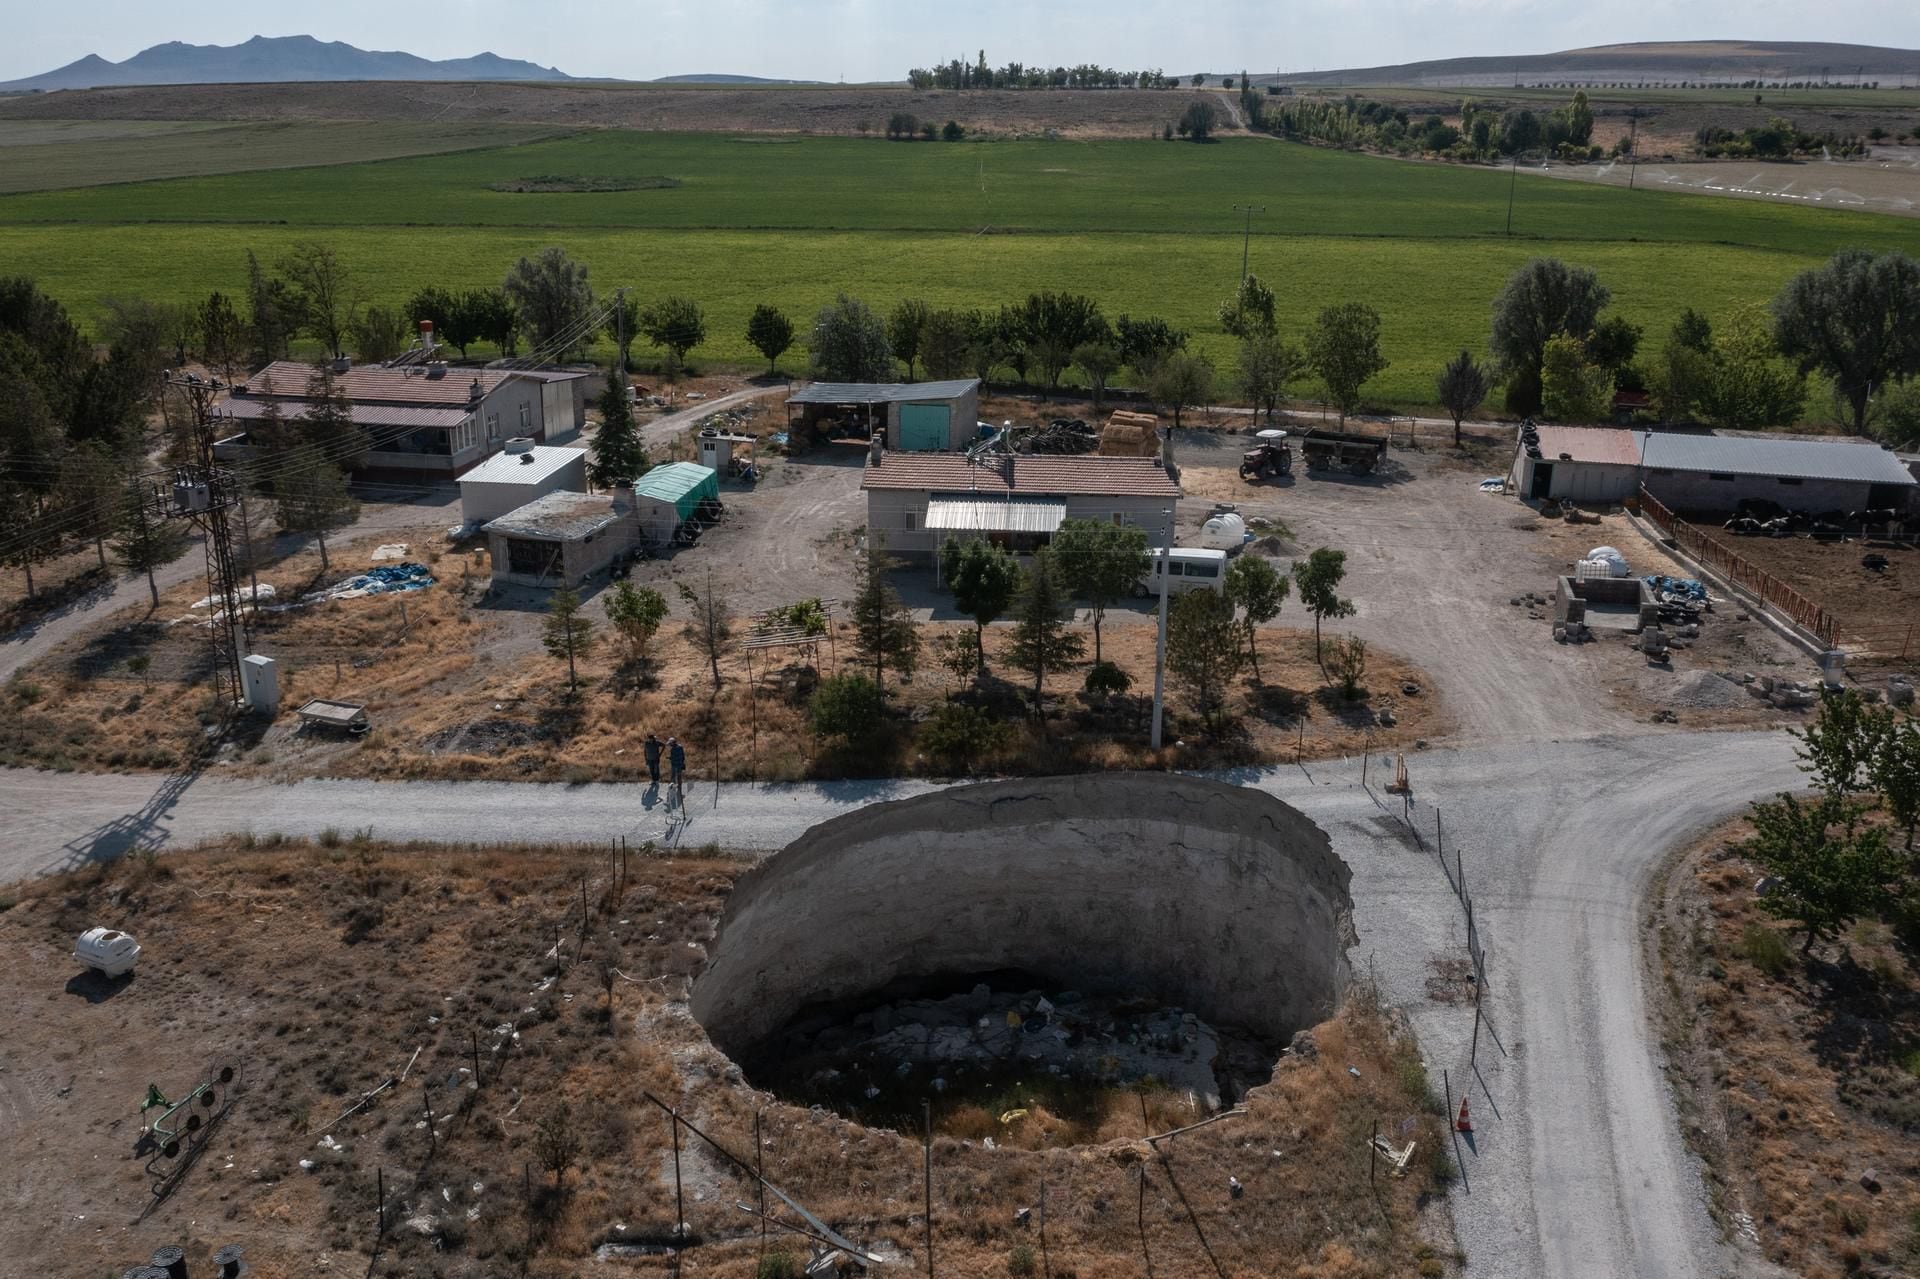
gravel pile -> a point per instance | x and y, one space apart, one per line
1704 690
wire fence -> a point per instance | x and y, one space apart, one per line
1739 570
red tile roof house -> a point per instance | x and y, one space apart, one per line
428 423
919 500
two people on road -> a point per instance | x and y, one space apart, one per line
676 756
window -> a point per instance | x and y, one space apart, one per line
526 416
909 520
1719 478
1208 570
1790 482
493 427
1119 519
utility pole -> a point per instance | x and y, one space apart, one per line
203 491
1513 185
1160 640
1246 236
1633 148
620 331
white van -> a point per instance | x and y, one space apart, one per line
1193 569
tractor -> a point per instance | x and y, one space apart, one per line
1270 457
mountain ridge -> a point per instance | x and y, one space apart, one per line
274 59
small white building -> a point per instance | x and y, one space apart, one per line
509 480
561 539
1581 463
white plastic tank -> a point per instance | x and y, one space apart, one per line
1224 532
107 951
1612 556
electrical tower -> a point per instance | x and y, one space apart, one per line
203 491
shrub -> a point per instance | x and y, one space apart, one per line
1347 660
1765 949
777 1265
1020 1261
1104 679
957 736
846 706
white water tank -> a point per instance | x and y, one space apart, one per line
1224 532
107 951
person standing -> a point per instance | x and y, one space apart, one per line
651 749
676 760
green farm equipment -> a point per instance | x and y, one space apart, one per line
186 1120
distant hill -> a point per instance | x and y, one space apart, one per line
1710 61
275 59
718 78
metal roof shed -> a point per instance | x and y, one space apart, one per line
669 495
508 481
917 416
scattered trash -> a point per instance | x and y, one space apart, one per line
1234 1188
381 581
1493 484
1354 1071
1007 1117
390 551
1679 587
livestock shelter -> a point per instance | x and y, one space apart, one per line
917 417
917 501
1580 463
1713 474
561 539
669 495
509 480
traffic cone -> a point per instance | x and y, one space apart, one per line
1463 1124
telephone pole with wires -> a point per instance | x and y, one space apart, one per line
203 491
1246 236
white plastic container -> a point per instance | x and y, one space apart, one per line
107 951
1224 532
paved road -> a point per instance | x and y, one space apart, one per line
1579 1168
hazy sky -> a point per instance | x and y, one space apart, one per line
867 40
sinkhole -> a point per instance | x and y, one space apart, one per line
1000 947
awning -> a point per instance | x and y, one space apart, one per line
994 515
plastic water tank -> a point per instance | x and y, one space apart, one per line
1224 532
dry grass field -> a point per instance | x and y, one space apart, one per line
320 972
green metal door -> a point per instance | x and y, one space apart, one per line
923 427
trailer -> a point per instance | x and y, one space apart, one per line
322 713
1361 454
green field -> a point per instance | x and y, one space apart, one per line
47 155
1144 227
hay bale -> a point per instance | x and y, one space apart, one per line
1130 435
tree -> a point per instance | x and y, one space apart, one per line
1269 365
1203 650
222 335
1250 310
618 456
958 654
952 132
635 613
1541 300
144 540
1146 342
329 291
1462 388
1520 130
1182 381
1100 562
556 1143
1053 325
88 496
1827 869
1041 641
553 301
848 706
905 326
771 333
956 736
945 344
710 628
437 306
310 496
676 326
276 311
1579 119
849 343
567 632
902 126
1349 664
1096 362
984 579
883 630
1856 320
488 315
379 334
1895 772
1197 121
1838 747
1747 383
326 423
1572 387
1258 589
1343 348
1318 578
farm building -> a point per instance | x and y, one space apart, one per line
917 501
1713 474
561 539
918 417
1583 463
509 480
425 422
669 495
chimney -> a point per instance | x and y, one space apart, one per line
622 498
877 448
474 393
426 336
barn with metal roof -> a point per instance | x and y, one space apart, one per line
918 417
1715 473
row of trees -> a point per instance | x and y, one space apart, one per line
1854 320
960 74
